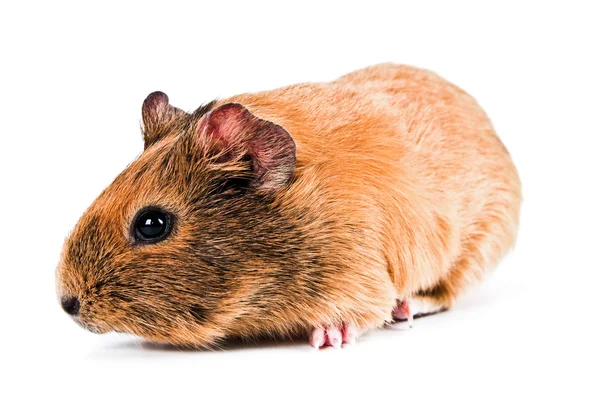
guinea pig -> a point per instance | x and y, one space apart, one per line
317 210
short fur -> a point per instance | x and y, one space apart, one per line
400 188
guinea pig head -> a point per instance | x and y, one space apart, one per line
174 249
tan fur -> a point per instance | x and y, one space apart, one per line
401 185
433 183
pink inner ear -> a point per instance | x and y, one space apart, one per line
271 147
226 124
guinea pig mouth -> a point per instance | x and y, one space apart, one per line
91 326
94 328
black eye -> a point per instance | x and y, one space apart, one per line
151 226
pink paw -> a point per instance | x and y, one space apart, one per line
404 311
333 337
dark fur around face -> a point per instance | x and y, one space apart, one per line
232 255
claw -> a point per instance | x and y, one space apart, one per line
334 338
317 338
349 334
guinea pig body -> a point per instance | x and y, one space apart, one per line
314 209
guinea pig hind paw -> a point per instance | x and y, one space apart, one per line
404 311
333 336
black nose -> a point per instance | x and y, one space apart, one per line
70 305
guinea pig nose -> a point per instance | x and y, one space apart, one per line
70 305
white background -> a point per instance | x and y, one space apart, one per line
73 77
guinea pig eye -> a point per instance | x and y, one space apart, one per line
151 226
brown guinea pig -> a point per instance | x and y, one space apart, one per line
321 209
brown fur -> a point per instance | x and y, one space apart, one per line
401 188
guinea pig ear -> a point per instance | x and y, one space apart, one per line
239 134
157 116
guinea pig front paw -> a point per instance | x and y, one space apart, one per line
333 336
